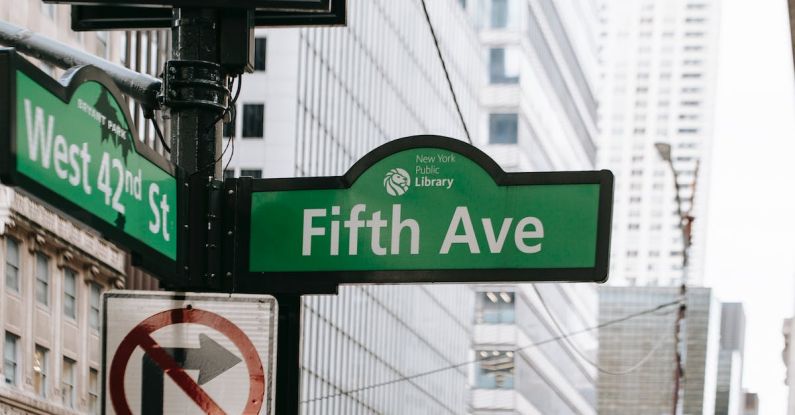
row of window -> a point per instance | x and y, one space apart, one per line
41 374
43 284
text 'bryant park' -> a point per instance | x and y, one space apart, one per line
476 207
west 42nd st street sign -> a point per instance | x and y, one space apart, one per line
425 209
73 146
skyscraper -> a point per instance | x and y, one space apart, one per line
658 85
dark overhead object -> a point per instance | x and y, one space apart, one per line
271 5
85 18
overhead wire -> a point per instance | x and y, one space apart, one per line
446 73
517 349
582 354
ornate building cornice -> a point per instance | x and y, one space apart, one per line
48 231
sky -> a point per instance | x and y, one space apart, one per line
751 220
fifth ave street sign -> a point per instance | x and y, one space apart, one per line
424 209
74 146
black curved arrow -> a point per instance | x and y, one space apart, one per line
210 359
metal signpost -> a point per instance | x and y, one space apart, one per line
73 145
421 209
226 340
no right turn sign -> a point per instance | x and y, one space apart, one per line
178 353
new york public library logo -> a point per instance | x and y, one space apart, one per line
397 181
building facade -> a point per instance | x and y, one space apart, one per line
539 114
788 356
53 271
729 394
53 277
658 85
641 350
751 405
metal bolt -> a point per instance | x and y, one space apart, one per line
229 233
231 192
229 275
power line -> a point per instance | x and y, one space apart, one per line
582 355
518 349
446 74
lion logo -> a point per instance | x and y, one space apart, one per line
397 181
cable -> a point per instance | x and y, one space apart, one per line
232 120
160 135
518 349
582 355
446 74
232 107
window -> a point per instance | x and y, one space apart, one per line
42 279
40 371
253 120
12 265
10 359
68 382
495 369
93 312
93 391
503 128
69 292
499 13
229 173
495 307
503 66
255 173
260 47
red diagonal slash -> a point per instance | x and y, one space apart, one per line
140 336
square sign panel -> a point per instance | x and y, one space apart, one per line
183 353
117 16
275 5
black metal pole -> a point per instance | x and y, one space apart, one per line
195 133
195 91
288 355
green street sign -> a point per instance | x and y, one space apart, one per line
423 209
73 146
